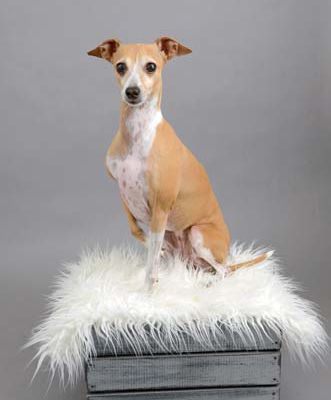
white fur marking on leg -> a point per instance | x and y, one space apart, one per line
198 245
203 252
155 241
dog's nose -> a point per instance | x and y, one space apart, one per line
132 93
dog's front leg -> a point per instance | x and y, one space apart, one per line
155 241
136 230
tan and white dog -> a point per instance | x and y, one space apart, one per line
162 184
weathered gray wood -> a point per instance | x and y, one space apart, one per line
245 393
184 371
227 341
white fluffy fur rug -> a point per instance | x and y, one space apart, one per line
104 290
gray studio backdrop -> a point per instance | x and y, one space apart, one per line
252 101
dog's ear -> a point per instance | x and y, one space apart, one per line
106 49
171 48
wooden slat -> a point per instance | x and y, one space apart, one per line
184 371
245 393
228 341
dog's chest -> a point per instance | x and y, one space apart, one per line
130 170
130 173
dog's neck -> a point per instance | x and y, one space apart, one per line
139 123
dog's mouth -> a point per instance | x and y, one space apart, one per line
135 102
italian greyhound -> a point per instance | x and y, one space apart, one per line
162 184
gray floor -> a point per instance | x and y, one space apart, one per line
252 101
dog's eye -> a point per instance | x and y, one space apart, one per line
150 67
121 68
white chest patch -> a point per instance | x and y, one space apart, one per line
130 171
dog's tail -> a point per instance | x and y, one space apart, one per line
250 263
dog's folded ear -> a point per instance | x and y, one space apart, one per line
171 48
106 49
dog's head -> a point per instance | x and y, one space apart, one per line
138 67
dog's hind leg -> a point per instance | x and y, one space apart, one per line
210 245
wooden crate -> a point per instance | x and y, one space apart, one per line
229 368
